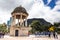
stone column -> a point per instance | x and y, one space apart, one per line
13 20
18 22
23 23
26 22
21 19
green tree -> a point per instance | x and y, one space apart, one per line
56 24
57 27
3 28
38 27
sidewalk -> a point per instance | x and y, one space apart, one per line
29 38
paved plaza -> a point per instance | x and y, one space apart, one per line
29 38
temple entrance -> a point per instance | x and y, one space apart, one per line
16 32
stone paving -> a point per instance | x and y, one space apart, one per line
29 38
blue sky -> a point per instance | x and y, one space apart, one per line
52 3
47 9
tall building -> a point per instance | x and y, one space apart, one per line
9 22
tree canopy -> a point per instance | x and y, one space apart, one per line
38 27
3 28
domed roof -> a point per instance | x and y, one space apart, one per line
20 9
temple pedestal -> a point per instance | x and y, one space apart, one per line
19 31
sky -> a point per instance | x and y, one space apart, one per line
47 9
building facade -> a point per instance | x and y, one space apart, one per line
19 15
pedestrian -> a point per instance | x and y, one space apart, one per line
56 35
49 34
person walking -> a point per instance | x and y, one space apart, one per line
49 34
56 35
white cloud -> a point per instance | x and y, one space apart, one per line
49 1
58 2
4 16
7 6
35 8
39 10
